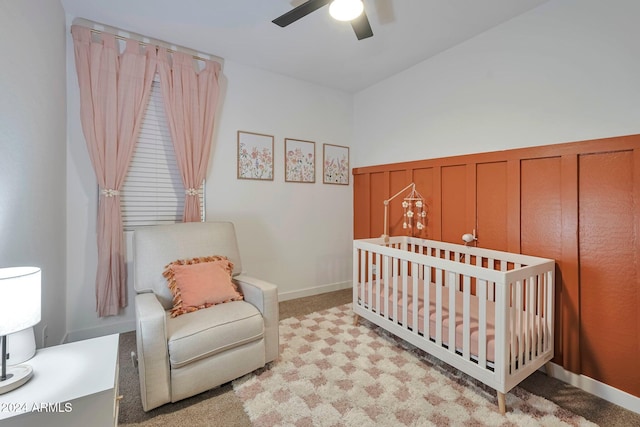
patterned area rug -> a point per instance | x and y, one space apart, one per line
331 373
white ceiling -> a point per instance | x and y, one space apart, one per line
316 48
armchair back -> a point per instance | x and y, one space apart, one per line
156 246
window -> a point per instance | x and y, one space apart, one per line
153 192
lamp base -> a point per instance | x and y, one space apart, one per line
16 376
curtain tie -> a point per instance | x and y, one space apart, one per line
110 192
192 192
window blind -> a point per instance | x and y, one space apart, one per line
153 192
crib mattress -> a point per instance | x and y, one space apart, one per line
459 326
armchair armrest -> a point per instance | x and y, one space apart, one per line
153 359
264 296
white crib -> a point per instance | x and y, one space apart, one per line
502 305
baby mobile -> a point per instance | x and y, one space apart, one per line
415 211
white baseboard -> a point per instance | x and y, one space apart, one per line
307 292
116 328
604 391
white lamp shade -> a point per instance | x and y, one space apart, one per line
21 346
346 10
19 298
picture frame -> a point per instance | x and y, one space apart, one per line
335 164
299 161
255 156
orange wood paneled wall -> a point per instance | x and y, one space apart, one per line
578 203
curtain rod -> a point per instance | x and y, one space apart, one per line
152 42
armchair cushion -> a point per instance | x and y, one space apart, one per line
200 283
205 333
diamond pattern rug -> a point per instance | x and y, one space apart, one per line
331 373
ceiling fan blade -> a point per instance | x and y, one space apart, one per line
384 11
300 12
362 27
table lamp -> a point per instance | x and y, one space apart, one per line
19 310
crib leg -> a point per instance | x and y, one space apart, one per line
502 403
356 318
548 369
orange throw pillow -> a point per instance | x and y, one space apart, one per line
200 283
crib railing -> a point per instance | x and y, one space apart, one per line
505 297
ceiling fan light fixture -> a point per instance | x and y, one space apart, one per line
346 10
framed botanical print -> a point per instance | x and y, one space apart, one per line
255 156
299 161
335 164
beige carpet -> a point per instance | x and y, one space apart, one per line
331 373
221 406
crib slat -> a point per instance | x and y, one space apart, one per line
492 285
482 322
415 274
370 281
376 292
514 328
386 285
357 281
501 346
427 301
466 315
452 312
534 317
525 334
540 314
518 319
549 310
524 340
531 306
395 274
438 307
405 294
363 275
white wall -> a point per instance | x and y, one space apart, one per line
566 71
295 235
33 142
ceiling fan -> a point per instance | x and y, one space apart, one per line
360 22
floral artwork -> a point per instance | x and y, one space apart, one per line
299 160
255 156
336 164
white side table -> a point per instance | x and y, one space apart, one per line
73 384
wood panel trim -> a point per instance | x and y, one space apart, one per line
513 206
568 326
570 279
368 199
437 203
636 219
471 215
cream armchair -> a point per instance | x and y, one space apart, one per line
194 352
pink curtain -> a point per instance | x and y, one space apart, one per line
114 90
190 100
